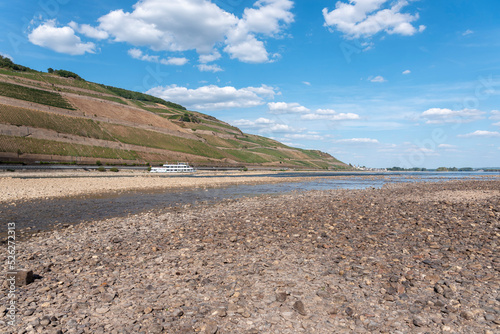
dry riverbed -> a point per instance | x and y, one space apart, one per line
407 258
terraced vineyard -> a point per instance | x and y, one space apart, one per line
23 145
62 124
33 95
158 130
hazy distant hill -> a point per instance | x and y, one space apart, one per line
59 117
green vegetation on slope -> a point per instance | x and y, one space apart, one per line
128 94
8 63
33 95
22 145
153 139
245 156
63 124
65 74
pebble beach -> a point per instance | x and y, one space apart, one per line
407 258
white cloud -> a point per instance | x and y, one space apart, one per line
6 56
181 25
304 136
496 124
467 32
286 108
495 115
208 58
89 31
264 125
307 83
481 133
378 78
138 54
177 61
406 72
358 141
209 68
439 115
329 115
175 25
269 18
62 40
446 146
365 18
214 97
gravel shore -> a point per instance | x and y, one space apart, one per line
407 258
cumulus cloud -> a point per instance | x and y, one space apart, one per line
440 115
358 141
329 115
307 83
286 108
406 72
181 25
175 25
265 125
481 133
305 136
268 18
378 79
208 58
209 68
214 97
446 146
495 115
59 39
467 32
365 18
138 54
89 31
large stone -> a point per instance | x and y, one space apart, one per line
21 277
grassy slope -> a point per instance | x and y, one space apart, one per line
227 143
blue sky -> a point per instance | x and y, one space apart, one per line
373 82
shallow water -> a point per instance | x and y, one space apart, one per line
45 214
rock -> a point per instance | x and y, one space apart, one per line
21 277
220 312
45 321
210 327
349 311
155 328
102 310
299 307
419 321
281 297
467 315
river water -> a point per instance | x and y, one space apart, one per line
45 214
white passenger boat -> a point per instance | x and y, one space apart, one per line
180 167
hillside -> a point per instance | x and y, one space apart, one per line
59 117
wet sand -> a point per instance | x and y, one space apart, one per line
407 258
